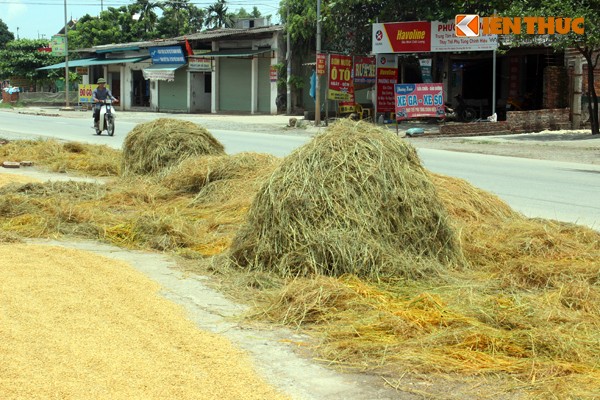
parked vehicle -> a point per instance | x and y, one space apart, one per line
462 112
107 118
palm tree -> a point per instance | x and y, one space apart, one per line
218 16
148 17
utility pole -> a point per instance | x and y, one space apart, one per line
317 86
17 33
66 59
289 62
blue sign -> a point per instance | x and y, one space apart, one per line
167 55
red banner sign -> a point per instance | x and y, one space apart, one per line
402 37
340 78
273 73
321 64
419 100
387 77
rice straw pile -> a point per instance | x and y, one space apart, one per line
153 147
354 200
193 174
88 159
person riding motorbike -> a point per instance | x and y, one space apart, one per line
99 95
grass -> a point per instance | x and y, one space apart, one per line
525 312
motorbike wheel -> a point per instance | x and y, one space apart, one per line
468 114
110 126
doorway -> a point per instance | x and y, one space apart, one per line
140 90
200 91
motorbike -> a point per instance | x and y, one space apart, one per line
106 120
461 113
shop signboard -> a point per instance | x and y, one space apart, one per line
364 70
58 45
387 77
402 37
416 100
340 78
444 39
167 55
199 63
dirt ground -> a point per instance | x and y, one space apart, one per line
566 146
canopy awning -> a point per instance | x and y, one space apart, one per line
86 62
235 53
161 72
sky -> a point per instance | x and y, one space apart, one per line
35 19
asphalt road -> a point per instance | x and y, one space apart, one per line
537 188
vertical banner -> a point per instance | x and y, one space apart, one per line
58 45
321 64
364 70
387 77
425 64
273 73
340 78
416 100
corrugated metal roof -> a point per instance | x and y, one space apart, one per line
199 36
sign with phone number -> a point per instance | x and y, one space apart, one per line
419 100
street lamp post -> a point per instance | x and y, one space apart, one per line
317 83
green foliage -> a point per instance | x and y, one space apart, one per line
21 58
242 13
218 17
147 17
179 17
115 25
5 35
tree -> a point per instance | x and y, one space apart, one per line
147 17
587 44
218 17
115 25
242 13
180 17
20 58
5 35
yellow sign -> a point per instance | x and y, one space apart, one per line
82 70
85 92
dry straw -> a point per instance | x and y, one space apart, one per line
353 200
154 147
55 156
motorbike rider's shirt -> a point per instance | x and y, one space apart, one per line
101 94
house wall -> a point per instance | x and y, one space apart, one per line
172 95
264 86
235 84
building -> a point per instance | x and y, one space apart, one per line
217 71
